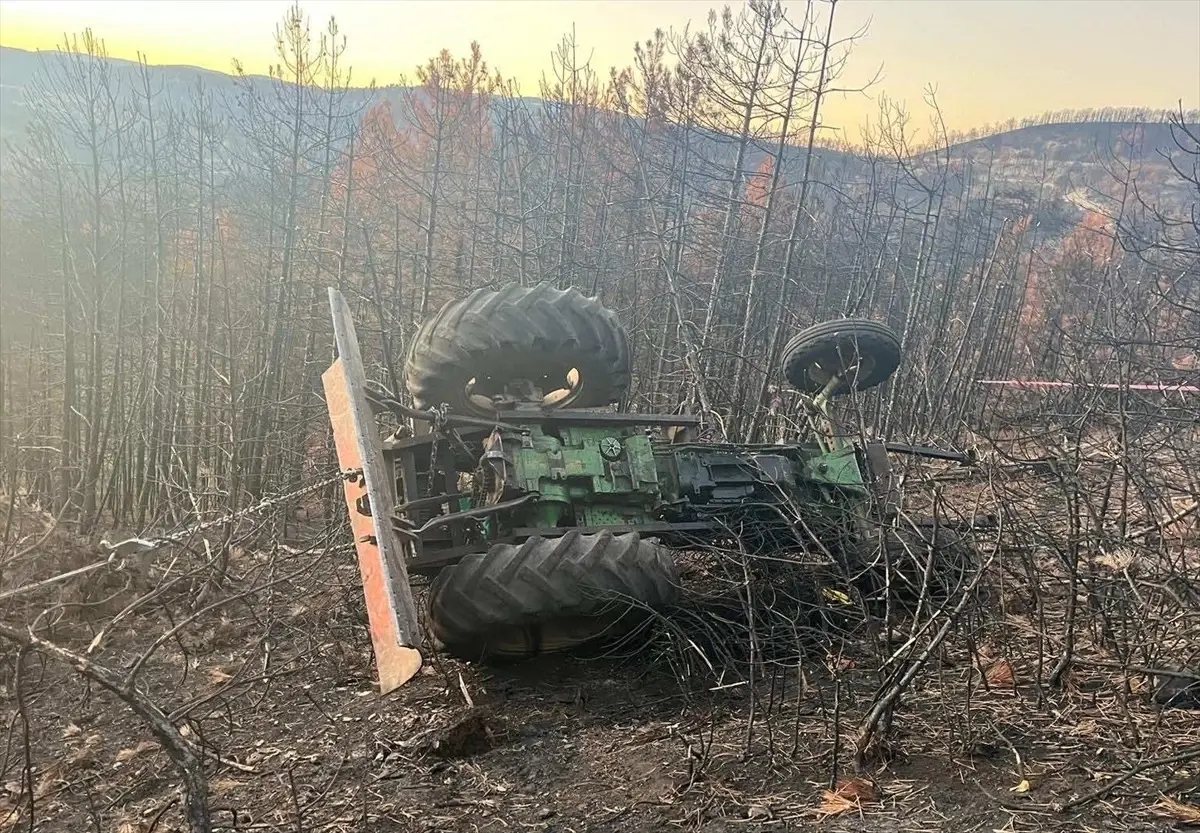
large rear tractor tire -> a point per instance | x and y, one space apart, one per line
549 595
864 353
554 347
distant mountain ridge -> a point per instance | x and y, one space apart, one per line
1030 153
19 67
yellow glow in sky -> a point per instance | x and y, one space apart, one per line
990 60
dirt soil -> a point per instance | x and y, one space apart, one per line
563 746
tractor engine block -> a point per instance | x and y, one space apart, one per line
584 476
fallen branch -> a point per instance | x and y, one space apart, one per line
1178 516
38 585
884 704
195 787
1191 754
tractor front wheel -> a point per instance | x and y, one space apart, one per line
549 595
863 353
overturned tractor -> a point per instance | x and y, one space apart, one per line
546 519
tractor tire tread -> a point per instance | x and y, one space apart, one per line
544 579
498 330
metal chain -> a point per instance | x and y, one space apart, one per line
117 553
142 545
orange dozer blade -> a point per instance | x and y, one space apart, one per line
391 610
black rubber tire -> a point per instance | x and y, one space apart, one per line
519 331
908 548
827 343
549 595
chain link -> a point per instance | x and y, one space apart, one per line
143 545
118 552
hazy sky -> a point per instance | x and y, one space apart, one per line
989 59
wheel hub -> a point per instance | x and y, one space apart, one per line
505 394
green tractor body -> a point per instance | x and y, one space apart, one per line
544 473
545 518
